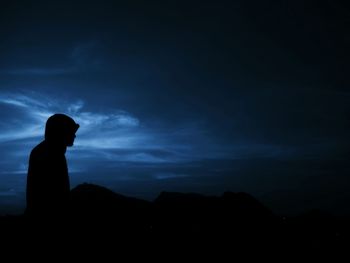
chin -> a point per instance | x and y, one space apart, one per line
70 141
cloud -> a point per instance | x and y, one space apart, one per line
100 134
112 138
107 139
33 109
24 101
164 176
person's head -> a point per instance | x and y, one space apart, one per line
60 129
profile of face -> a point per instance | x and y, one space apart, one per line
70 139
60 130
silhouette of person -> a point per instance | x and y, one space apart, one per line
48 187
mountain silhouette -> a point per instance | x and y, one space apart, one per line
95 206
176 212
179 224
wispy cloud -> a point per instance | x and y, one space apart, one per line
165 176
101 134
111 138
105 140
34 109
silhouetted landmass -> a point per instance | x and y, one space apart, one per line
113 212
179 224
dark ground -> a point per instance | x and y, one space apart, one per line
175 226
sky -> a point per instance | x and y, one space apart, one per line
189 96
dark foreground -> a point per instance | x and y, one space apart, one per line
177 226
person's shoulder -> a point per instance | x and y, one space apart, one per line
39 149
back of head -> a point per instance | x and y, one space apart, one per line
58 127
